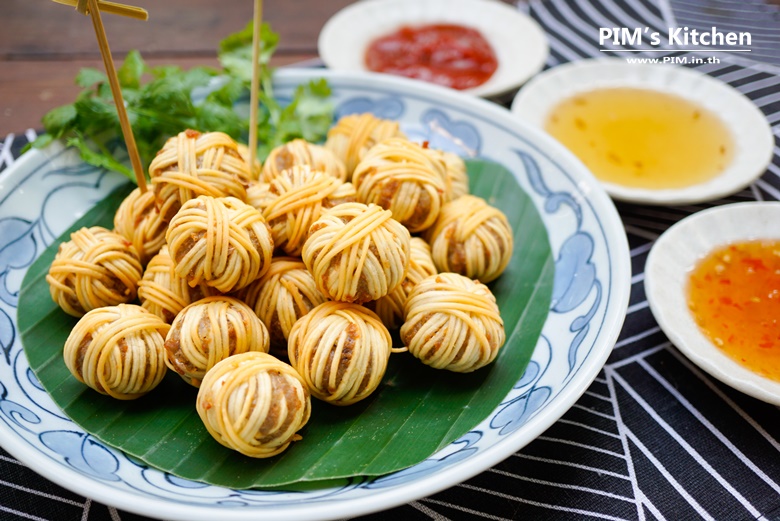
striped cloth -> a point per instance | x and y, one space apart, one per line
653 438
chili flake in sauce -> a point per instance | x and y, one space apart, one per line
734 295
446 54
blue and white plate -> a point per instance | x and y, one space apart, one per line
46 191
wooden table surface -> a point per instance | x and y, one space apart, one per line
43 44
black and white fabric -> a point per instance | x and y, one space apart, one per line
653 438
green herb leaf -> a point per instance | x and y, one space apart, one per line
41 141
211 115
59 120
241 40
133 67
95 114
164 106
100 159
416 410
168 95
89 76
235 51
314 110
228 94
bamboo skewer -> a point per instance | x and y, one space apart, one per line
255 85
112 8
92 8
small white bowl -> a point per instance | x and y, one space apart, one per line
519 43
668 268
749 128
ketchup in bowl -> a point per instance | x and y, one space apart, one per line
450 55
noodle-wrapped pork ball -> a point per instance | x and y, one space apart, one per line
341 351
453 323
471 238
300 152
193 164
118 351
210 330
357 253
95 268
352 136
138 220
283 295
390 308
221 241
296 199
400 176
254 403
455 171
163 292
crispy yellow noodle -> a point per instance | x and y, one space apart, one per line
138 220
353 135
400 176
455 171
221 241
95 268
471 238
452 322
192 164
283 295
297 198
210 330
254 404
390 308
118 351
258 195
165 293
357 253
300 152
341 351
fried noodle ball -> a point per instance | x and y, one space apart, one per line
191 164
280 297
210 330
254 403
400 176
341 351
138 221
118 351
95 268
453 323
357 253
471 238
297 198
221 241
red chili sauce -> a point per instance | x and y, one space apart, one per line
449 55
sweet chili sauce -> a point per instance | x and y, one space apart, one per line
446 54
734 295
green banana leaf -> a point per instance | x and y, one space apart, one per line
415 412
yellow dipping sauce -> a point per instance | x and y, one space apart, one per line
642 138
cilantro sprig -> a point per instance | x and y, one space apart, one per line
162 101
